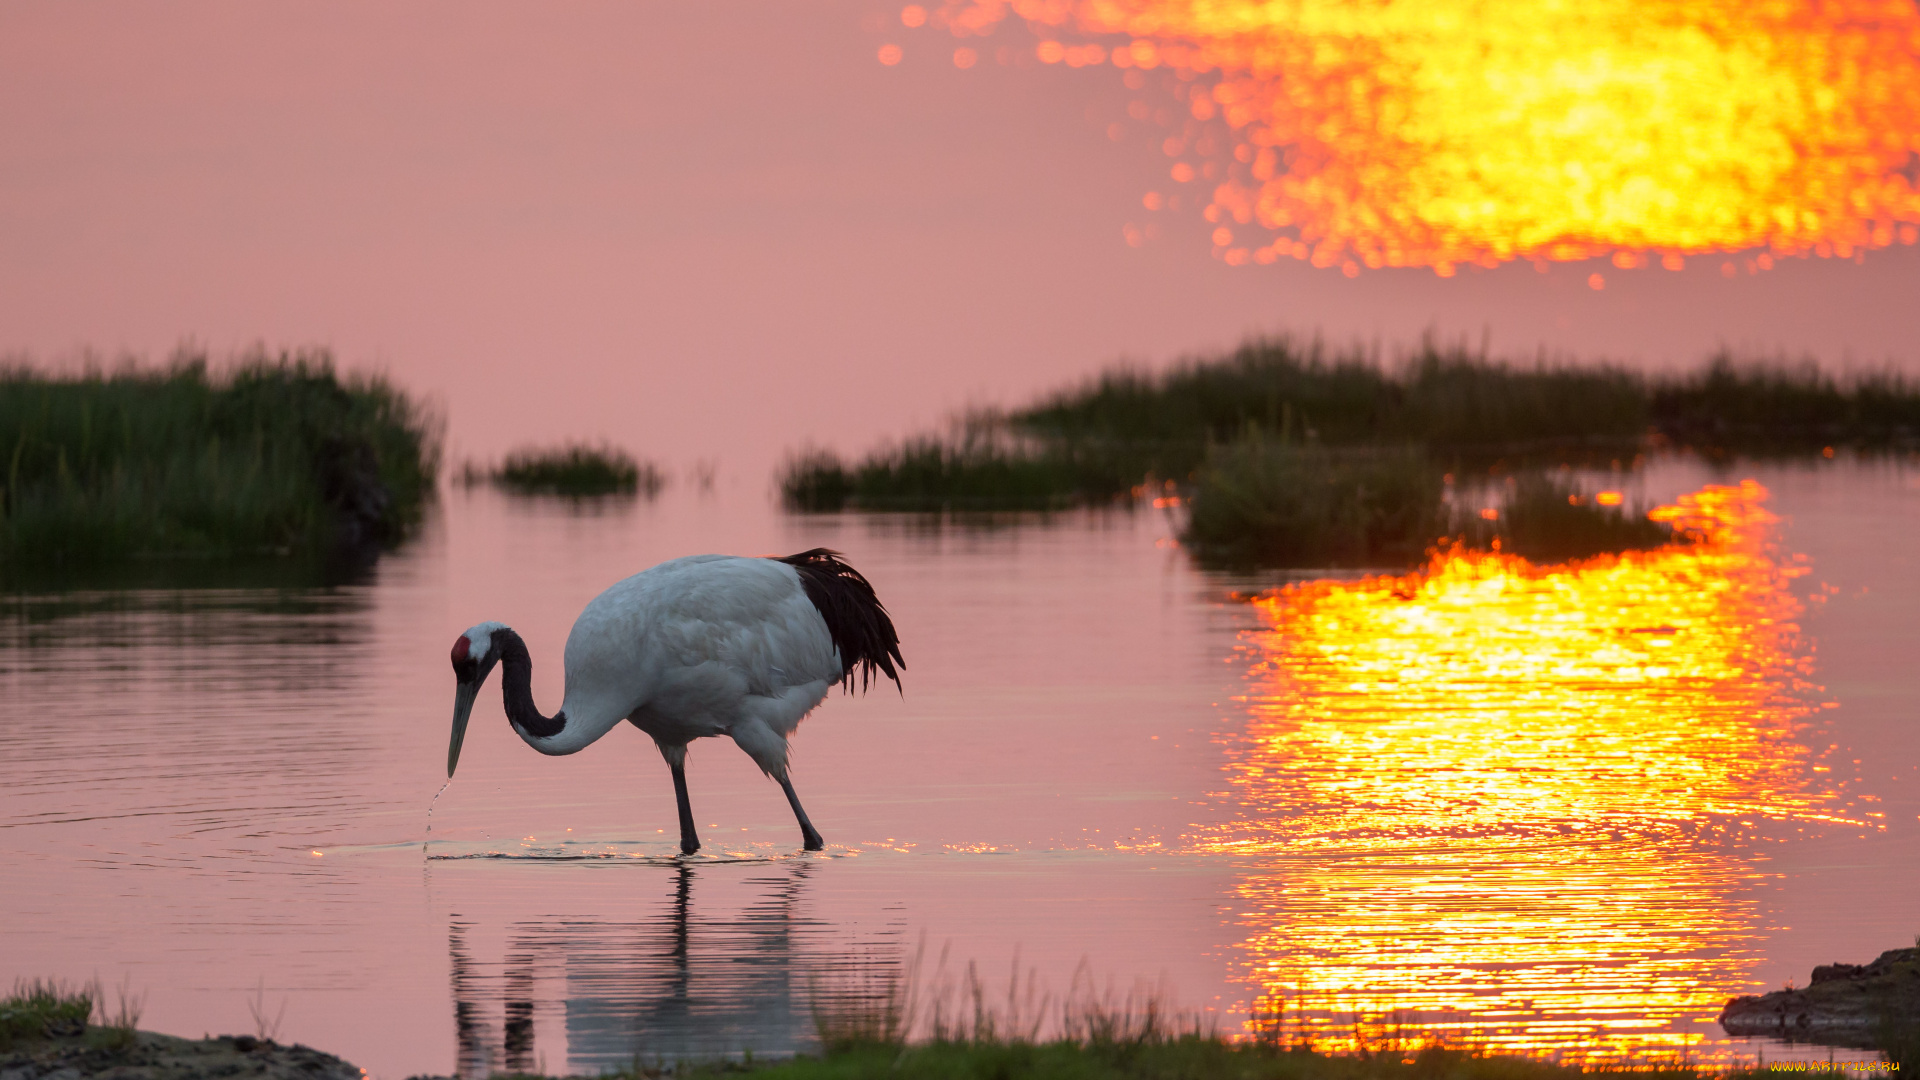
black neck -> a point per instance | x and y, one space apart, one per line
516 687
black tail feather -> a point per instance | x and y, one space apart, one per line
855 618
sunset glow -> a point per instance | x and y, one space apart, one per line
1451 132
1509 802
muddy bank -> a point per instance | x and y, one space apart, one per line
149 1056
1843 1004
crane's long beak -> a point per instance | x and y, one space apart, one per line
463 695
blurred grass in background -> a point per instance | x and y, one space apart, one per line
1293 454
278 455
1097 441
575 470
1273 502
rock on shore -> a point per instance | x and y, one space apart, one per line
149 1056
1843 1004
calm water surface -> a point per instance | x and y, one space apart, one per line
1571 812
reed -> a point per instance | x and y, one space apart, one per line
960 1029
1096 441
1440 397
982 464
575 470
119 1029
1781 406
815 480
1267 502
1898 1039
1550 519
1187 1058
1450 399
278 455
927 474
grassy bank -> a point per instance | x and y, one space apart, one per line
42 1010
1183 1058
1464 411
279 455
51 1030
575 470
39 1010
47 1027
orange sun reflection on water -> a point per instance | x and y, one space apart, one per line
1506 801
1441 132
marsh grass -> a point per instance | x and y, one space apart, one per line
1439 397
980 464
1780 406
865 1005
815 480
967 1030
925 474
575 470
1273 502
120 1028
900 1005
43 1009
1898 1040
953 1025
1451 399
1095 442
1549 518
266 1025
40 1009
277 456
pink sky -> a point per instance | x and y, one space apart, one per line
702 230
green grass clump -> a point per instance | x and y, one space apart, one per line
1275 503
277 456
928 474
981 467
577 470
43 1009
1549 519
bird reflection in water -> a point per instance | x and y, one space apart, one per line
683 985
1520 804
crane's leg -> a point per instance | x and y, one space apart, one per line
768 749
808 833
689 841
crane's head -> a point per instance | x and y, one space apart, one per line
474 654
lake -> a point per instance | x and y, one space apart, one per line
1564 813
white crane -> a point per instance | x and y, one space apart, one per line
699 646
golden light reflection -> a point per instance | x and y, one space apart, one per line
1443 132
1508 800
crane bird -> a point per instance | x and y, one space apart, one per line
698 646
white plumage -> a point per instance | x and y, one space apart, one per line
695 647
